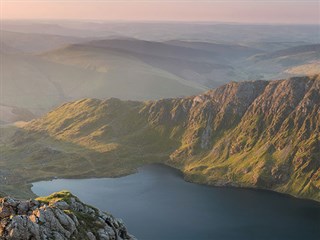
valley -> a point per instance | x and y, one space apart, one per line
256 134
44 70
187 120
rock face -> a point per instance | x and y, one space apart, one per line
59 216
263 134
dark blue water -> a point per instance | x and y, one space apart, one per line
157 204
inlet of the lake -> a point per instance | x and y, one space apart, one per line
157 204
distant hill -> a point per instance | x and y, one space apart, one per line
164 31
36 42
196 66
129 68
13 114
225 51
262 134
276 64
39 83
305 69
297 50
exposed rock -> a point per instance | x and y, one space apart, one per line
58 216
263 134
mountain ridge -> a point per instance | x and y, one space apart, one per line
261 134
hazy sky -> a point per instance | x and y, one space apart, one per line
252 11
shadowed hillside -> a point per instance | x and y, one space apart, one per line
38 84
41 71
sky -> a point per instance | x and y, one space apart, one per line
242 11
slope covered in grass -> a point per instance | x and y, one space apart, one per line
252 134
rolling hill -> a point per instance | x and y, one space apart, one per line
36 42
261 134
305 69
277 63
38 84
13 114
129 68
275 35
202 67
231 52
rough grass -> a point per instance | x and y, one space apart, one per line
96 138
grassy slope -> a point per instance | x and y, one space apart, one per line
286 62
305 69
39 84
254 134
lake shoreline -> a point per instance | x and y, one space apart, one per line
157 197
183 176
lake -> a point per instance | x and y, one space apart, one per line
157 204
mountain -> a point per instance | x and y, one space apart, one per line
305 69
197 64
164 31
279 63
194 66
10 114
36 42
129 68
58 216
273 46
261 134
228 51
312 50
39 84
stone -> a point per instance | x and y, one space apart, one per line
20 220
62 205
91 236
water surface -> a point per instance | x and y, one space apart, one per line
157 204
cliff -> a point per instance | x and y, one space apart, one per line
261 134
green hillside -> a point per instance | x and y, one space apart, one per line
252 134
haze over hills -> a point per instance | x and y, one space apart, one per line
194 66
37 84
302 49
305 69
279 62
250 134
132 69
231 52
276 35
184 118
13 114
36 42
46 63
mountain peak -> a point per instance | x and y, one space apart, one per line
262 134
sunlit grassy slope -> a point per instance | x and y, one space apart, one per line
252 134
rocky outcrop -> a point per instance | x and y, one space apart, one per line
59 216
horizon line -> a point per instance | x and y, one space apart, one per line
155 21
